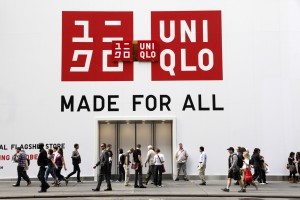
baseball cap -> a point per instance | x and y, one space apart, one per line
231 148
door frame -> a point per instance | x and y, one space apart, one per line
125 118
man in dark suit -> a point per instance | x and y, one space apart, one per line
103 169
42 163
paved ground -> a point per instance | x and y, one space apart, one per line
171 190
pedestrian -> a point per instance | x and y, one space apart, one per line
181 158
121 164
103 164
137 159
298 162
21 159
60 163
256 162
149 160
51 168
76 160
234 170
292 168
110 158
246 165
263 168
55 149
158 160
42 162
126 166
202 165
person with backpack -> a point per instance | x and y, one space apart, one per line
234 164
121 168
76 160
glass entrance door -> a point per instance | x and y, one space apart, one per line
127 134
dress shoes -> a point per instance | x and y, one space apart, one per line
108 189
96 190
16 185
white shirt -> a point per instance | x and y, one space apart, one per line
202 158
150 157
246 163
156 159
181 156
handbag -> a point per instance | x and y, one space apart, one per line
163 170
135 166
248 175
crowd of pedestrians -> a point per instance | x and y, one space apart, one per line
240 165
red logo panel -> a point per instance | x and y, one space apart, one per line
87 48
147 50
122 51
190 45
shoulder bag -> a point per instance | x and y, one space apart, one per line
163 166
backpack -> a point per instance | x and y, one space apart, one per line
240 162
122 159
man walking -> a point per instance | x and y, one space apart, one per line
202 166
126 166
149 160
234 170
181 158
110 158
137 158
76 160
22 161
42 162
104 164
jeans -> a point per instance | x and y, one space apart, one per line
76 168
138 175
59 176
50 170
22 174
157 175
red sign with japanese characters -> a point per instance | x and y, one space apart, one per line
87 45
190 44
122 51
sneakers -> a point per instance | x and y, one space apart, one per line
225 190
242 190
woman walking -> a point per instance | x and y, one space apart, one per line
60 162
51 168
158 160
292 168
245 166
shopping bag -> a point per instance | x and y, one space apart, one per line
248 175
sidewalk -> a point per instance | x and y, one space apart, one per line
276 189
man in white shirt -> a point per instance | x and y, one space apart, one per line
149 160
181 158
202 165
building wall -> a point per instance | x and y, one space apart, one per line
259 91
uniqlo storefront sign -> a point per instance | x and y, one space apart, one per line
190 45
